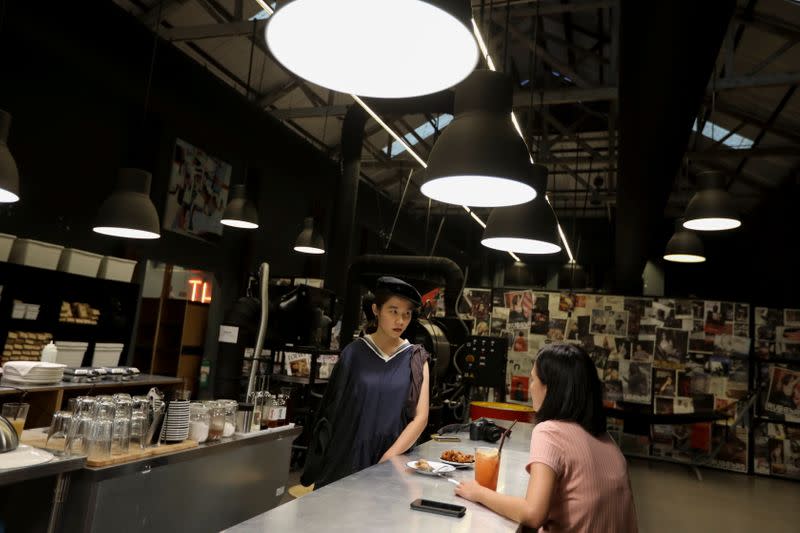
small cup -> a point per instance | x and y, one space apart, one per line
59 429
16 413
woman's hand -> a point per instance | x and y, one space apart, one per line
470 490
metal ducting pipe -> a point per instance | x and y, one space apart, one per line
400 265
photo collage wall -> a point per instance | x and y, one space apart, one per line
777 357
660 355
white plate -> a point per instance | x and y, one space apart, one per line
24 455
458 465
439 468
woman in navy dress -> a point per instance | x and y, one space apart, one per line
377 400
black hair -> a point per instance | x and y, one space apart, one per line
574 392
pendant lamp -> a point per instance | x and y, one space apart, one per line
529 228
479 159
684 246
9 175
309 241
376 48
240 212
711 208
128 212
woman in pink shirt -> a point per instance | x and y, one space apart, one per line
578 477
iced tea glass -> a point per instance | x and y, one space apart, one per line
16 413
487 467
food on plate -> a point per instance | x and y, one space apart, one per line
455 456
423 465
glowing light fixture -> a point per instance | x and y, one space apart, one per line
529 228
9 175
711 208
684 246
343 44
240 212
128 212
479 159
309 241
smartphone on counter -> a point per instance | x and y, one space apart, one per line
445 438
430 506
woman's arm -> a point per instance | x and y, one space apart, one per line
414 428
530 511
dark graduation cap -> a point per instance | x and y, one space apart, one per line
398 287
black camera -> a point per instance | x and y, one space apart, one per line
483 429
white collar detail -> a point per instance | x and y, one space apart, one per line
386 357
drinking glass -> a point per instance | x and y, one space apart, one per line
487 466
59 429
101 432
16 413
78 436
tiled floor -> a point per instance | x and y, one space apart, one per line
670 499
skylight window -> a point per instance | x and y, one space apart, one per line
716 132
263 14
424 131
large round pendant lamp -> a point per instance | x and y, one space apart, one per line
529 228
9 175
377 48
128 212
684 246
479 159
711 208
240 212
309 241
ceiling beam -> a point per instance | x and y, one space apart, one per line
522 98
768 24
309 112
168 8
548 8
790 151
752 82
212 31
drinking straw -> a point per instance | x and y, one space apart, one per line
503 438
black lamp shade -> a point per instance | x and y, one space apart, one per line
9 175
479 159
711 208
240 212
309 241
530 228
128 212
685 246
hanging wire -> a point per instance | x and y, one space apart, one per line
505 42
250 61
152 61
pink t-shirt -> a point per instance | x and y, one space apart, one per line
592 491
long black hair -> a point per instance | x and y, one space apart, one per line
574 392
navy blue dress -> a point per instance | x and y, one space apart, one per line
371 394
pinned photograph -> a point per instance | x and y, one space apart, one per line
556 328
636 381
699 310
683 309
611 371
520 343
566 302
520 308
730 346
577 327
622 349
682 406
612 390
791 317
499 324
784 392
732 446
664 406
642 351
610 322
742 313
671 348
741 329
715 322
727 309
476 303
540 323
664 383
647 328
636 311
768 316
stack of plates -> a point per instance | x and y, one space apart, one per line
33 372
176 426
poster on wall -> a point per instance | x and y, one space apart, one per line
609 321
783 396
636 381
520 309
671 347
477 304
198 191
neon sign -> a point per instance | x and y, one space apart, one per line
201 291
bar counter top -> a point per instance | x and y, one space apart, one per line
378 498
